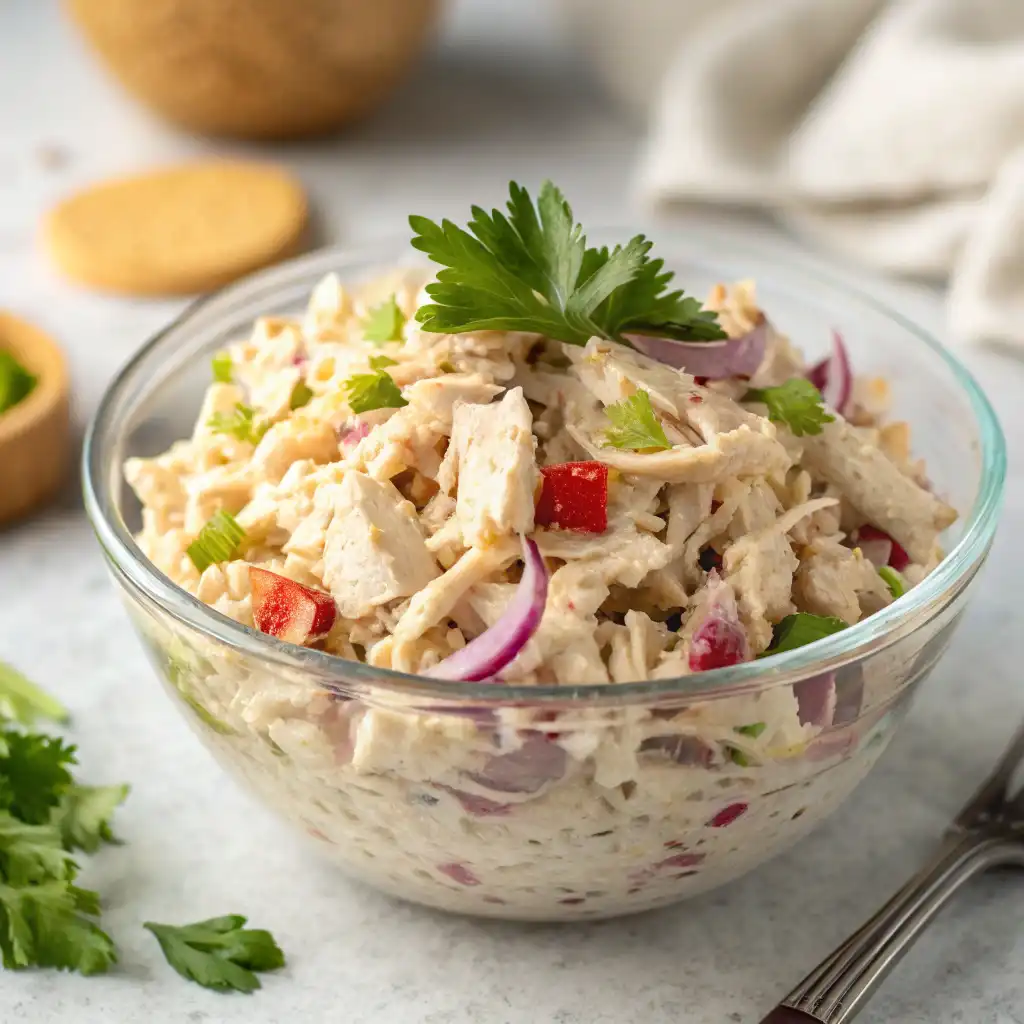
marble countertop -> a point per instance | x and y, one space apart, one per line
497 99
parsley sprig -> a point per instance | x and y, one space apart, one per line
45 919
532 270
240 423
634 424
220 367
374 390
796 403
220 953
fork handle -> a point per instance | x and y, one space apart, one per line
839 987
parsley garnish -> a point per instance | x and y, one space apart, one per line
376 390
531 270
45 919
384 322
218 541
16 383
23 702
379 362
240 423
300 396
893 580
754 729
220 364
801 629
219 953
797 404
634 424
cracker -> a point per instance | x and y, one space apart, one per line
179 229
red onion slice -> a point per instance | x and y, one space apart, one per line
719 640
713 360
526 770
877 552
493 649
871 539
816 700
833 376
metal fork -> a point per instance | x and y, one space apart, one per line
987 833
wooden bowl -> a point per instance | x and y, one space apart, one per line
34 434
263 69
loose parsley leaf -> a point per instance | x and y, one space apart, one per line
634 424
801 629
240 423
83 816
33 774
754 729
797 404
218 541
32 853
220 364
219 953
384 322
531 270
379 362
369 391
22 701
16 383
301 395
893 580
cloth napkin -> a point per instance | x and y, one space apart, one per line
890 131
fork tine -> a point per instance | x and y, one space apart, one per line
993 790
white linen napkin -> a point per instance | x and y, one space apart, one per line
892 131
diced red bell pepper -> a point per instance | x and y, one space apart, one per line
574 496
289 610
898 558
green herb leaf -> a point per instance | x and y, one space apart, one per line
369 391
33 774
84 814
797 404
446 366
218 541
754 729
16 383
531 270
219 953
384 322
301 395
893 580
380 362
220 364
634 424
32 853
801 629
240 423
22 701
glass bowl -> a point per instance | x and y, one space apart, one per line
547 802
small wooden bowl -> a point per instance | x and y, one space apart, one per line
34 434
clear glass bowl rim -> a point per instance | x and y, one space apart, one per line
921 604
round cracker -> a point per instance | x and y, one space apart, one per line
177 230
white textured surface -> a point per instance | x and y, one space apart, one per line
472 117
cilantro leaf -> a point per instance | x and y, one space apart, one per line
16 383
801 629
218 541
369 391
33 774
531 270
22 701
384 322
32 853
220 365
240 423
219 953
634 424
797 404
893 580
84 813
301 395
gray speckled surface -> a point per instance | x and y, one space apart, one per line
472 117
